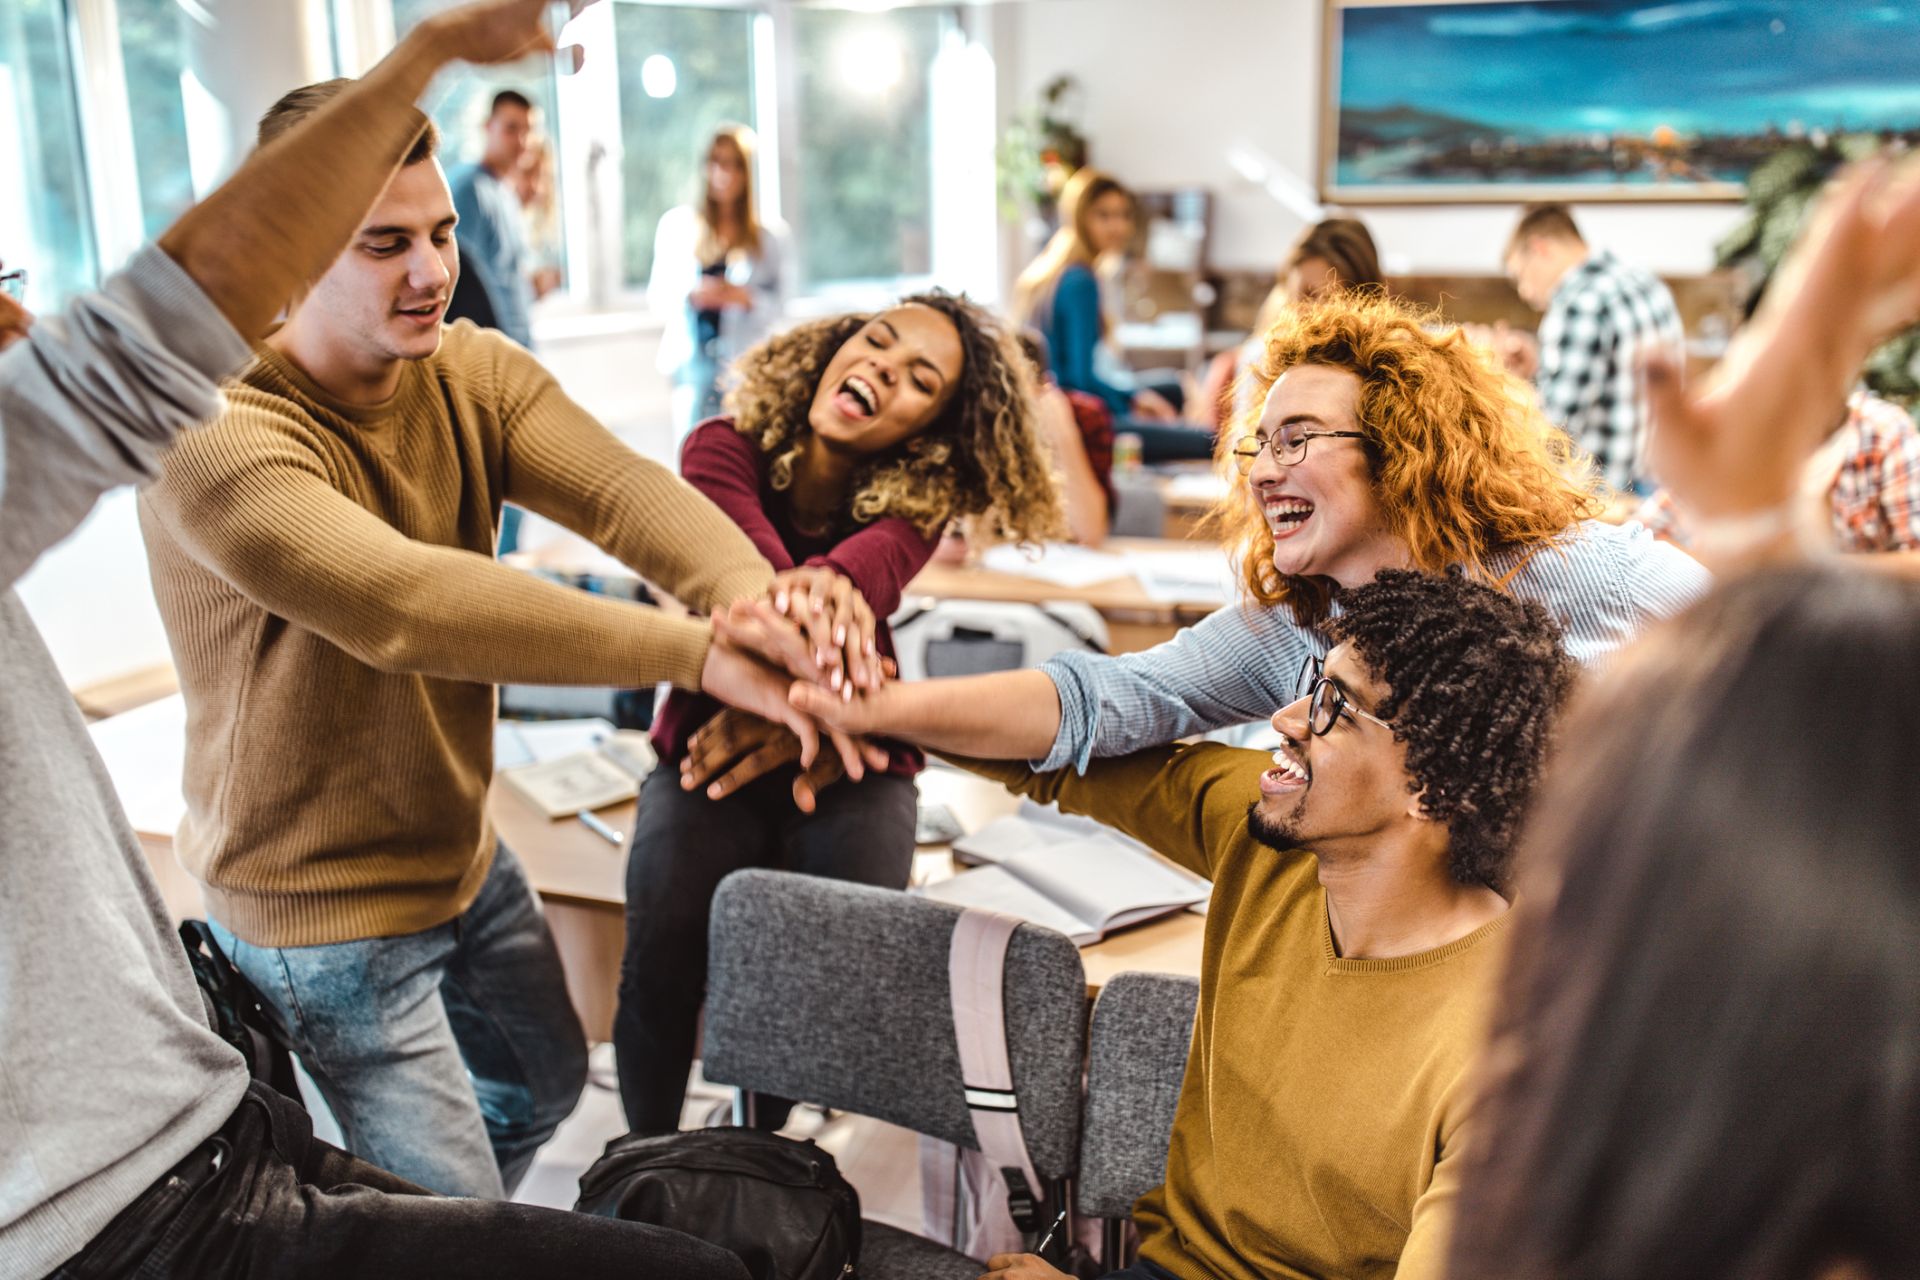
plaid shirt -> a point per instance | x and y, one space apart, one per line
1874 498
1603 315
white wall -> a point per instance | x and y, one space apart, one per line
1169 90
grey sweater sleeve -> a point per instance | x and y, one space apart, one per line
91 397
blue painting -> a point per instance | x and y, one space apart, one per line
1602 99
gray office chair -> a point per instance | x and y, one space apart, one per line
837 994
934 638
1136 1058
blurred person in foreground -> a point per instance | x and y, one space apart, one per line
1707 1061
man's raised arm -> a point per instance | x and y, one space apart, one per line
294 204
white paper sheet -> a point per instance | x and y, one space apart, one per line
1201 576
997 889
518 742
1060 563
1032 826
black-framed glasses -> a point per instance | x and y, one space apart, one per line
1326 700
1289 447
14 284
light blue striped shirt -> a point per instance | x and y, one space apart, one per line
1602 583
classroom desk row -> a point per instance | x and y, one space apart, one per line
1136 617
579 875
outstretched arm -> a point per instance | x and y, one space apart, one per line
1234 666
1008 715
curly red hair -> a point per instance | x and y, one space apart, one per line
1463 463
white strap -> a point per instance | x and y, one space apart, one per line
976 969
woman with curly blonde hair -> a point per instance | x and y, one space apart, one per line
1380 443
852 442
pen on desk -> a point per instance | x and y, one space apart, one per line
1040 1250
600 828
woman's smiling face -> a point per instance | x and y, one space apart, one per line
889 381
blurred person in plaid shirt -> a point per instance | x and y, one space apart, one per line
1601 315
1867 473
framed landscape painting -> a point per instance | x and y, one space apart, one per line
1448 101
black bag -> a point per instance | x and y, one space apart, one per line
779 1204
239 1017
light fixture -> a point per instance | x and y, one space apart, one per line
658 76
869 60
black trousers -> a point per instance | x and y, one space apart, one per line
264 1197
683 846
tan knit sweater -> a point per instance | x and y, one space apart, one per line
326 576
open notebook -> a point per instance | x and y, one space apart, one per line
1031 826
563 766
1085 886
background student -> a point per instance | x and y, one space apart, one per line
492 226
1058 294
1601 317
132 1139
323 559
1332 255
720 277
854 441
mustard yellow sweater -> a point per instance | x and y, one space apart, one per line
1323 1113
327 580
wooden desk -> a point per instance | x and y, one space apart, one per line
581 877
1135 620
1188 493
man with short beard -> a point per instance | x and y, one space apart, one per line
1353 936
322 555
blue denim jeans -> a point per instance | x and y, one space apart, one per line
448 1056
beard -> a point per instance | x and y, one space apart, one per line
1279 836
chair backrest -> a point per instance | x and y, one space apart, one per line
969 637
837 994
1137 1056
1139 508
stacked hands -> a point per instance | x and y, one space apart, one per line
813 626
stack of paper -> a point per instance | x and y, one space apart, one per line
1060 563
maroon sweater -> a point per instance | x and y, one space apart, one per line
880 558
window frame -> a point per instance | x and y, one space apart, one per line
351 35
588 135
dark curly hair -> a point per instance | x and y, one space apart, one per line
983 456
1474 680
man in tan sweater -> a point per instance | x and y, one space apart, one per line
1353 936
323 559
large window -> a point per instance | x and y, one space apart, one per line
683 71
44 223
865 141
153 51
462 95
